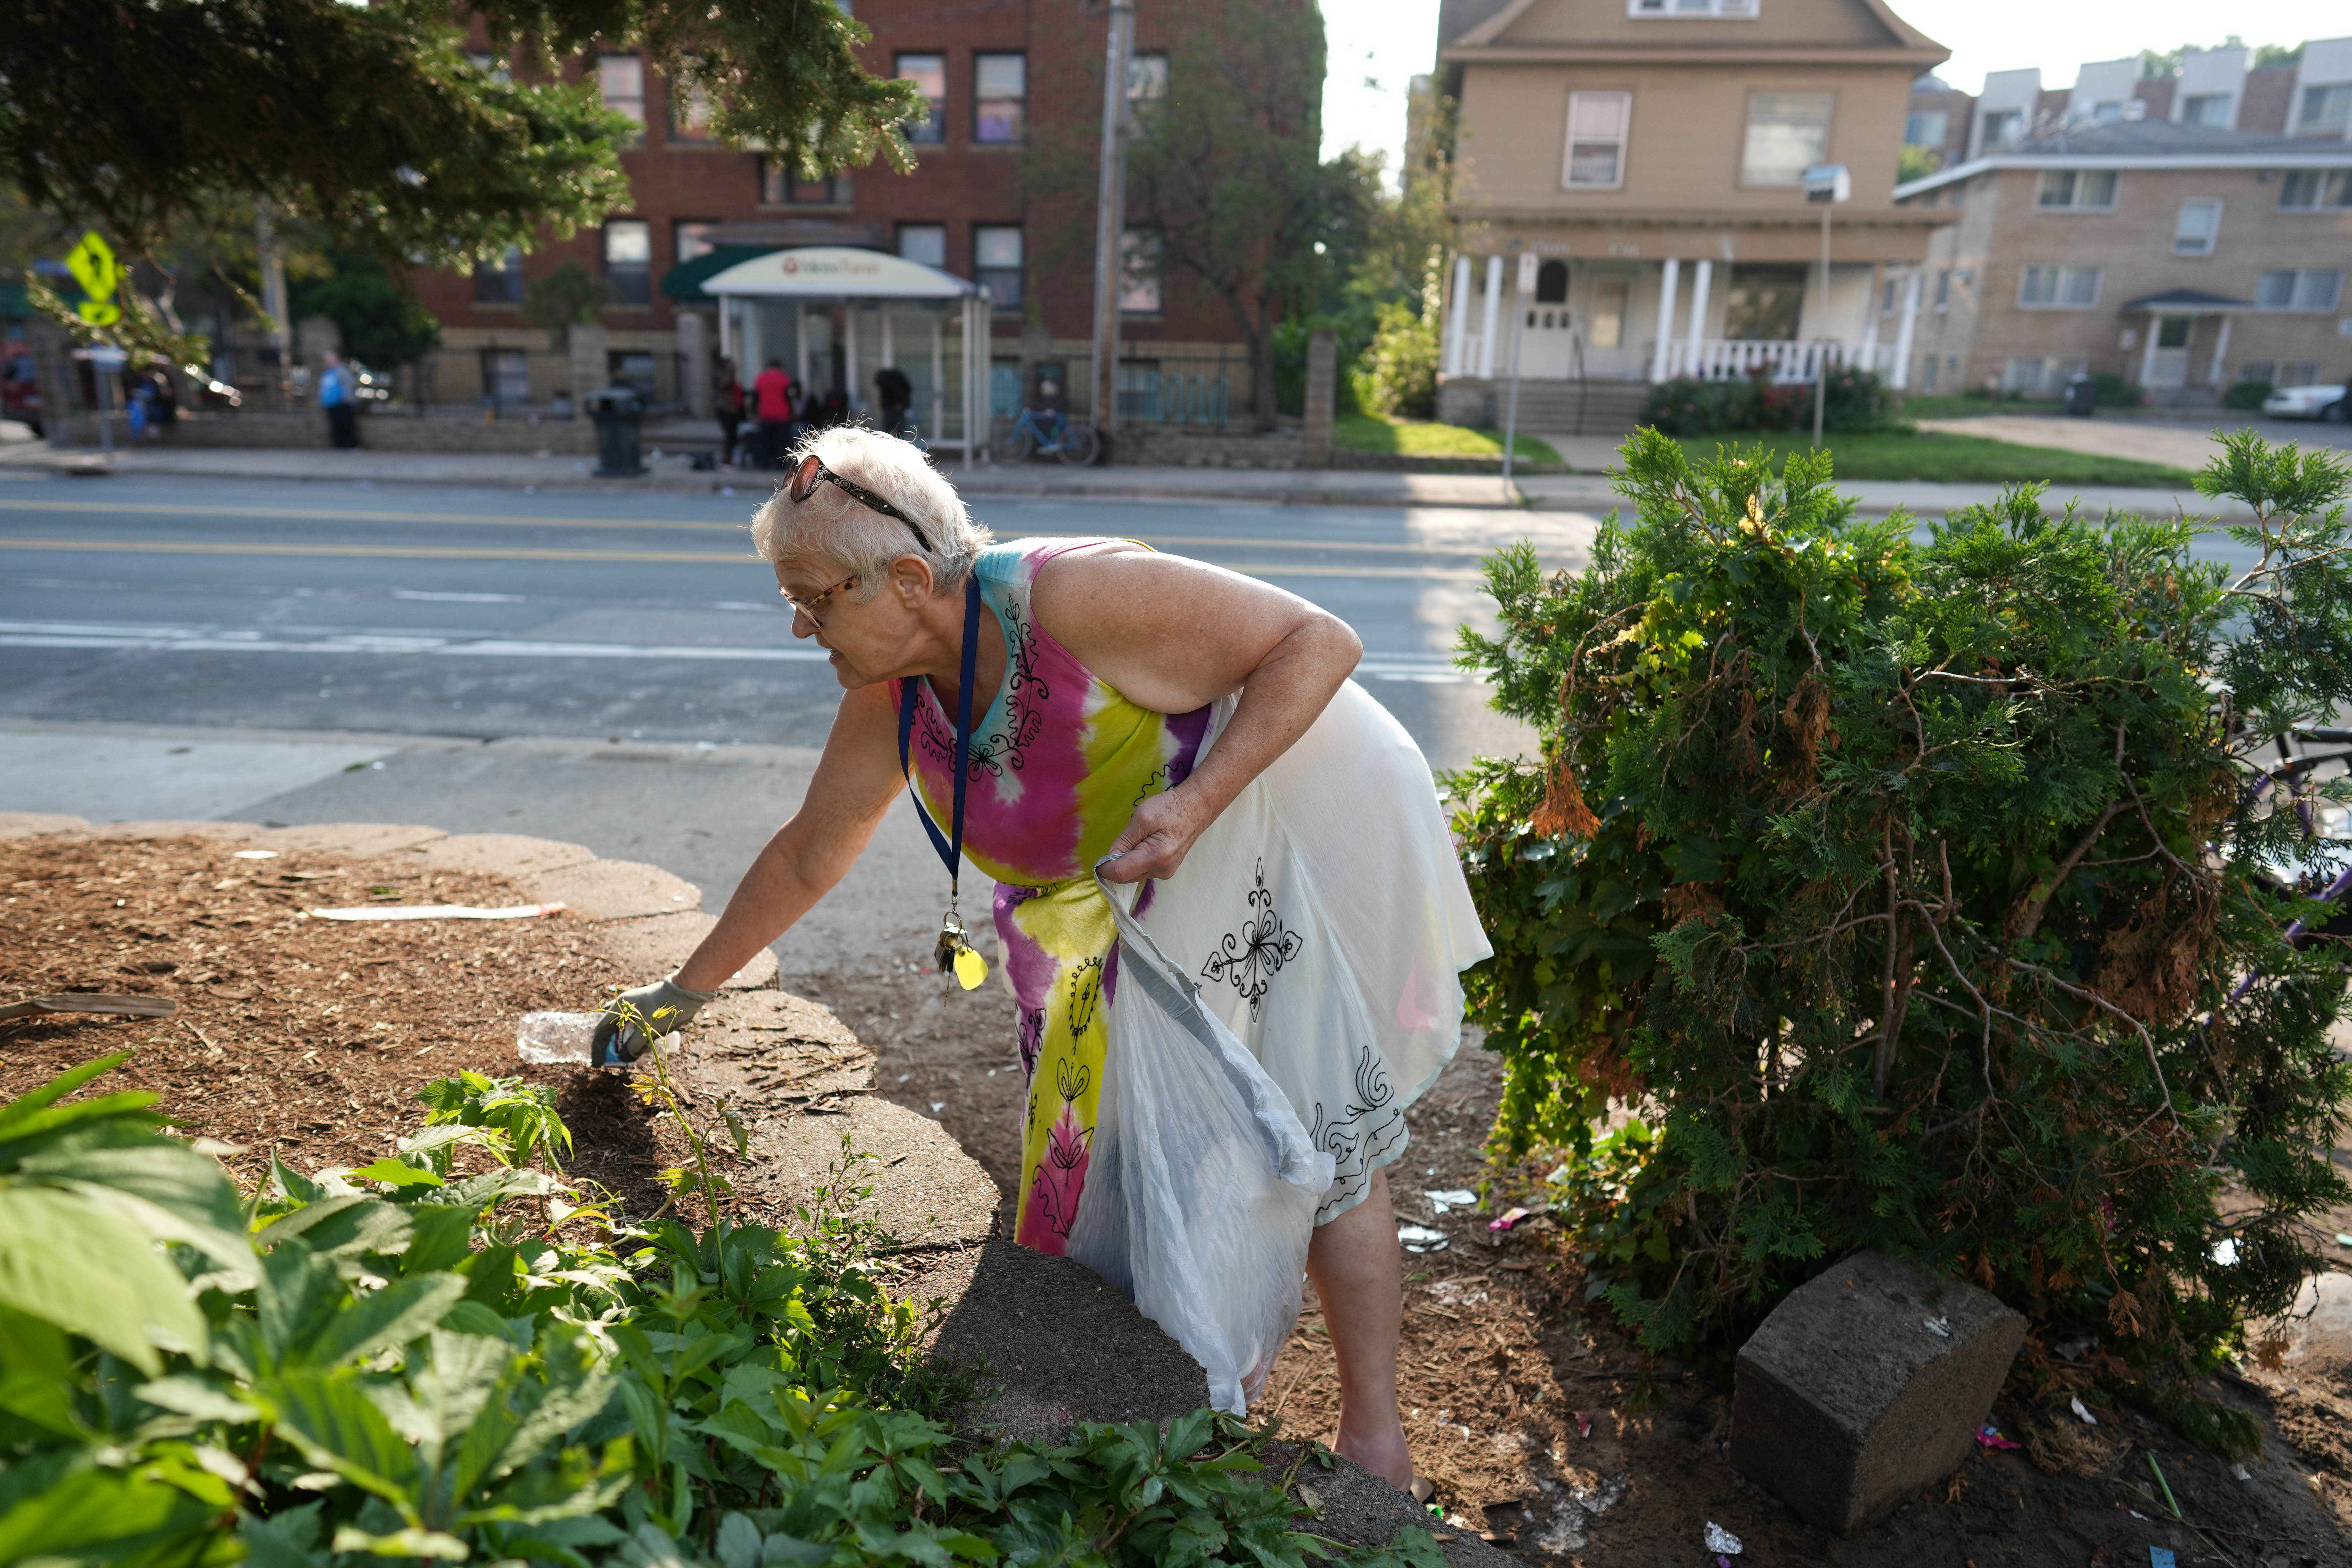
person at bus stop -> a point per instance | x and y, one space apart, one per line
896 394
1060 705
772 405
727 403
335 397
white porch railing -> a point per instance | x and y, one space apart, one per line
1779 360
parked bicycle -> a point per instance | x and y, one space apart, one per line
1050 433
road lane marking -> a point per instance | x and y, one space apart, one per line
1431 669
659 557
488 519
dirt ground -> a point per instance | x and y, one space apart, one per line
1544 1428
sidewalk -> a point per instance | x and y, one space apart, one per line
1876 497
674 475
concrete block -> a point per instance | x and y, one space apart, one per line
33 824
762 1047
357 839
1867 1384
658 943
612 890
927 1191
502 853
1062 1347
235 832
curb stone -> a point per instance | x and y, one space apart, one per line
613 890
361 840
511 855
658 944
34 824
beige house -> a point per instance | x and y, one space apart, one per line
1650 154
2185 235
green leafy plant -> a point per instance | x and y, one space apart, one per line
352 1366
560 299
1855 400
1397 373
2247 395
1929 895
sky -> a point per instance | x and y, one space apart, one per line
1378 46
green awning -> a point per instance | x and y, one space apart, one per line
685 280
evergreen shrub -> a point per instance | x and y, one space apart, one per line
1396 375
2247 395
1855 400
1923 894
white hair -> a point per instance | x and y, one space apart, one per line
844 530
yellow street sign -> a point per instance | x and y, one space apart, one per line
94 268
98 312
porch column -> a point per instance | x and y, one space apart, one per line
1487 317
1904 327
849 313
2221 355
938 382
1454 325
2148 349
1701 275
1870 316
1670 277
800 341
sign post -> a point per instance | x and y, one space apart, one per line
1826 184
94 267
1527 291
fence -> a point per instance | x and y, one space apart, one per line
1782 360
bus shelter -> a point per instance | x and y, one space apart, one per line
835 314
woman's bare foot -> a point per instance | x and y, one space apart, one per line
1383 1453
1353 1262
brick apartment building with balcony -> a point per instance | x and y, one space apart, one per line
1001 76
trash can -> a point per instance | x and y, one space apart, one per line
617 411
2081 393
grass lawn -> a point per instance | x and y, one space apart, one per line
1954 459
1426 439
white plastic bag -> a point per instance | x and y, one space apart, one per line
1201 1183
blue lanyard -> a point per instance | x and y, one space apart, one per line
950 849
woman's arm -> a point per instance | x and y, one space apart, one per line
1175 635
853 784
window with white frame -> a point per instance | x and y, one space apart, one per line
1000 99
1597 127
928 73
1138 272
924 242
2046 374
1925 128
2089 189
2197 226
1743 10
2261 370
629 260
689 239
2002 126
621 81
2206 108
2315 190
2327 111
1787 133
1147 77
2058 287
2299 289
997 263
2299 372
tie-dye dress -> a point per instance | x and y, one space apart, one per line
1333 956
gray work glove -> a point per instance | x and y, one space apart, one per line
665 1003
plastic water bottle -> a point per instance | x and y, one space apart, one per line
555 1037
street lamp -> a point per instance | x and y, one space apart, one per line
1825 185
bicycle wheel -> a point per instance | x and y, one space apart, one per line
1020 442
1080 446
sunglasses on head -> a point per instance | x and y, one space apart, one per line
811 472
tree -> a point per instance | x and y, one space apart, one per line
380 319
560 301
1927 894
1226 170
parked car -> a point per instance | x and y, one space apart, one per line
2325 401
369 385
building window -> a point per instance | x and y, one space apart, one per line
1597 124
1787 133
499 282
2261 370
689 238
622 80
2309 289
1944 289
489 66
2093 189
1146 83
924 242
1000 91
1743 9
1138 272
1764 303
1551 283
629 261
2299 372
2206 108
2197 227
930 75
631 368
2327 111
2002 127
1925 128
781 187
2045 375
505 375
2309 190
690 114
2058 287
996 257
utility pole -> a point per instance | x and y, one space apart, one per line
1826 184
273 289
1527 291
1110 215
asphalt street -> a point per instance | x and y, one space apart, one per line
613 669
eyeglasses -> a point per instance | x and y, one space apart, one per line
808 606
812 471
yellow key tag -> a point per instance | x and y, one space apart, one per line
971 969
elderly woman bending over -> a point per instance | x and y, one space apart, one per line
1196 723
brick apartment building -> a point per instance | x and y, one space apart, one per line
2186 232
1001 76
